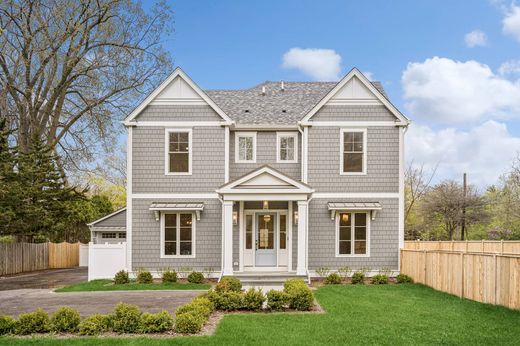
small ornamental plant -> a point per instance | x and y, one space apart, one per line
333 279
33 322
169 276
195 278
144 277
229 284
65 320
121 278
358 278
125 318
379 279
404 279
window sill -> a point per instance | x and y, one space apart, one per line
280 161
353 173
178 256
353 256
170 173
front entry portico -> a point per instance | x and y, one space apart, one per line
265 232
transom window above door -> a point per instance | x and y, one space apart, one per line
178 152
287 147
353 156
245 147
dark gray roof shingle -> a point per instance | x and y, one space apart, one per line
287 107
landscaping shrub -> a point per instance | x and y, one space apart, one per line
7 325
189 323
379 279
300 296
121 278
404 279
227 300
229 284
156 323
195 278
33 322
65 320
322 271
94 325
344 271
191 307
253 299
358 278
208 304
144 277
126 318
169 276
276 300
333 279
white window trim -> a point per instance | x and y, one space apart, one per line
237 150
167 150
352 233
279 136
341 148
193 234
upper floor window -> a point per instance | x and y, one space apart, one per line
245 147
287 147
353 151
178 151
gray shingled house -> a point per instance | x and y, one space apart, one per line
265 183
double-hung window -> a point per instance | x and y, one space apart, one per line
353 151
178 152
245 147
177 236
287 147
352 234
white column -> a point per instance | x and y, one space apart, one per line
228 238
301 264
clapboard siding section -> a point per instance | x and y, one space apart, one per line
354 113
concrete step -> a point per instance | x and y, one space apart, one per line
256 279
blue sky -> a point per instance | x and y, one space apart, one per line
465 104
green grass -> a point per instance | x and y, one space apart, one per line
107 285
370 315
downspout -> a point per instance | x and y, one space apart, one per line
222 238
300 129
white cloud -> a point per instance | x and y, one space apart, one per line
484 152
369 75
475 38
511 22
319 64
511 67
448 91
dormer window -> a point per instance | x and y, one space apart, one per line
245 147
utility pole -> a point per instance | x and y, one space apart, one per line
463 223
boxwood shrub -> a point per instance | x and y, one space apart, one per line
95 324
33 322
379 279
189 323
126 318
253 299
121 278
195 278
226 300
300 296
277 300
144 277
169 276
333 279
65 320
358 278
196 308
7 325
155 323
229 283
403 279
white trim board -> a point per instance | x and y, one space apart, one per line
179 123
318 195
175 195
178 72
348 123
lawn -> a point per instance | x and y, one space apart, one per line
107 285
384 315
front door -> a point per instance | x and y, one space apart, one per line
265 240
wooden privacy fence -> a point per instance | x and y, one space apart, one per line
487 246
485 277
25 257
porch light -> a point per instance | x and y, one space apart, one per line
266 205
295 217
235 217
267 218
344 217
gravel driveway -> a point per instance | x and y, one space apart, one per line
14 302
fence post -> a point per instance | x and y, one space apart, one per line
482 245
495 284
502 246
424 275
462 275
466 245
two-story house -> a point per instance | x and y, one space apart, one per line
281 178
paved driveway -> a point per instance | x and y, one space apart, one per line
14 302
51 278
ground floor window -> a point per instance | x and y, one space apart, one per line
352 230
177 236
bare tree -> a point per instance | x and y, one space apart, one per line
70 68
417 183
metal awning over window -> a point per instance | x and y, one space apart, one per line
373 207
157 207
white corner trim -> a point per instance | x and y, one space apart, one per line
226 154
178 72
239 135
167 132
352 234
279 136
401 191
129 172
341 149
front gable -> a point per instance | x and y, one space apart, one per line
354 91
177 89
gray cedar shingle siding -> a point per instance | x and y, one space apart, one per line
354 113
382 161
265 154
384 236
146 242
179 113
116 220
149 166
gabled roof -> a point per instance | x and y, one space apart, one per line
105 218
265 180
355 73
178 73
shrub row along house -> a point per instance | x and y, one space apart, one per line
264 183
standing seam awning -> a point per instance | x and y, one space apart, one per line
157 207
338 206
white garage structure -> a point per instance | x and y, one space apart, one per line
109 229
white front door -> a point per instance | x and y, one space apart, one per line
266 244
